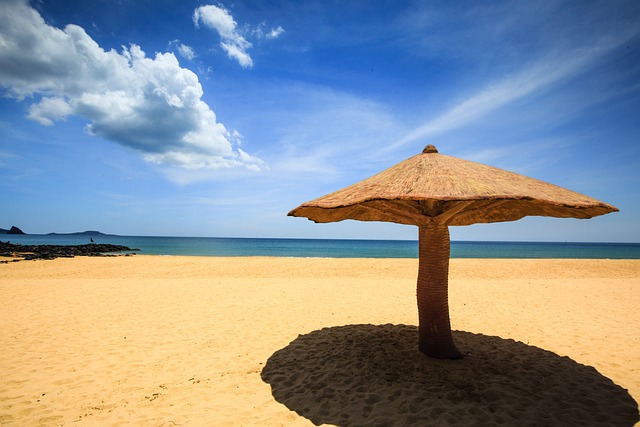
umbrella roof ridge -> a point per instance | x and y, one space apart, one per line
435 187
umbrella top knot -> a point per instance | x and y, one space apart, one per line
430 149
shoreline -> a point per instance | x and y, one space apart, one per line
133 252
153 339
335 248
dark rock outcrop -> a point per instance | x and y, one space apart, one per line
31 252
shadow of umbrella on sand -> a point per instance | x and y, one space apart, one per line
330 376
434 191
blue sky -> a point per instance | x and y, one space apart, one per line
183 118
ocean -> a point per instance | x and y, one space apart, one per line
333 248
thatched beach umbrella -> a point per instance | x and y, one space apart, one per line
434 191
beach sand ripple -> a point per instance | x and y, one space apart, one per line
372 375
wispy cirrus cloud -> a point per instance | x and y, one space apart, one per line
508 55
531 80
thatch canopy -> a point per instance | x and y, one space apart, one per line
452 191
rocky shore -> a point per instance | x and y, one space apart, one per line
32 252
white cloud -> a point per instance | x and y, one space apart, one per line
272 34
185 51
232 40
275 33
50 109
238 53
219 19
149 104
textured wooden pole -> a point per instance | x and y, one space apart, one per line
436 339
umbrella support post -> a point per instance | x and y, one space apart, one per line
435 337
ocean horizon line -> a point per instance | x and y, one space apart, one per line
99 233
336 248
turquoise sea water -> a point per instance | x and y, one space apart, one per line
321 248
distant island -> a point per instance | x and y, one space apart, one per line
12 230
81 233
16 230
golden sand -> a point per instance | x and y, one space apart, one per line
204 341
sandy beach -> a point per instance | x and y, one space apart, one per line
204 341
